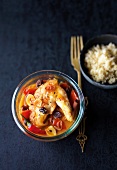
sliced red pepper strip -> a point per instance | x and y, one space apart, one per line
58 123
74 100
73 97
34 129
55 121
26 113
29 90
76 106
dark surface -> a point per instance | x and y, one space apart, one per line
35 35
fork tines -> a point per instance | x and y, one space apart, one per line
76 47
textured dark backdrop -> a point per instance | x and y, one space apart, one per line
35 35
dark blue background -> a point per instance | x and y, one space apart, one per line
35 35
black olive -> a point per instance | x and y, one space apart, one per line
68 91
57 114
39 83
43 110
25 107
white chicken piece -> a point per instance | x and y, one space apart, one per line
48 96
63 102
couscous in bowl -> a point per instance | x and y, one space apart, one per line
98 61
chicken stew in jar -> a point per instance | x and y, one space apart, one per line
48 107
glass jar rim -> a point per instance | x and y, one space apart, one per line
72 127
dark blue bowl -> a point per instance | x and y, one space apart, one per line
102 39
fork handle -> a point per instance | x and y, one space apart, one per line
79 79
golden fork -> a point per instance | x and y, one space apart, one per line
76 47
